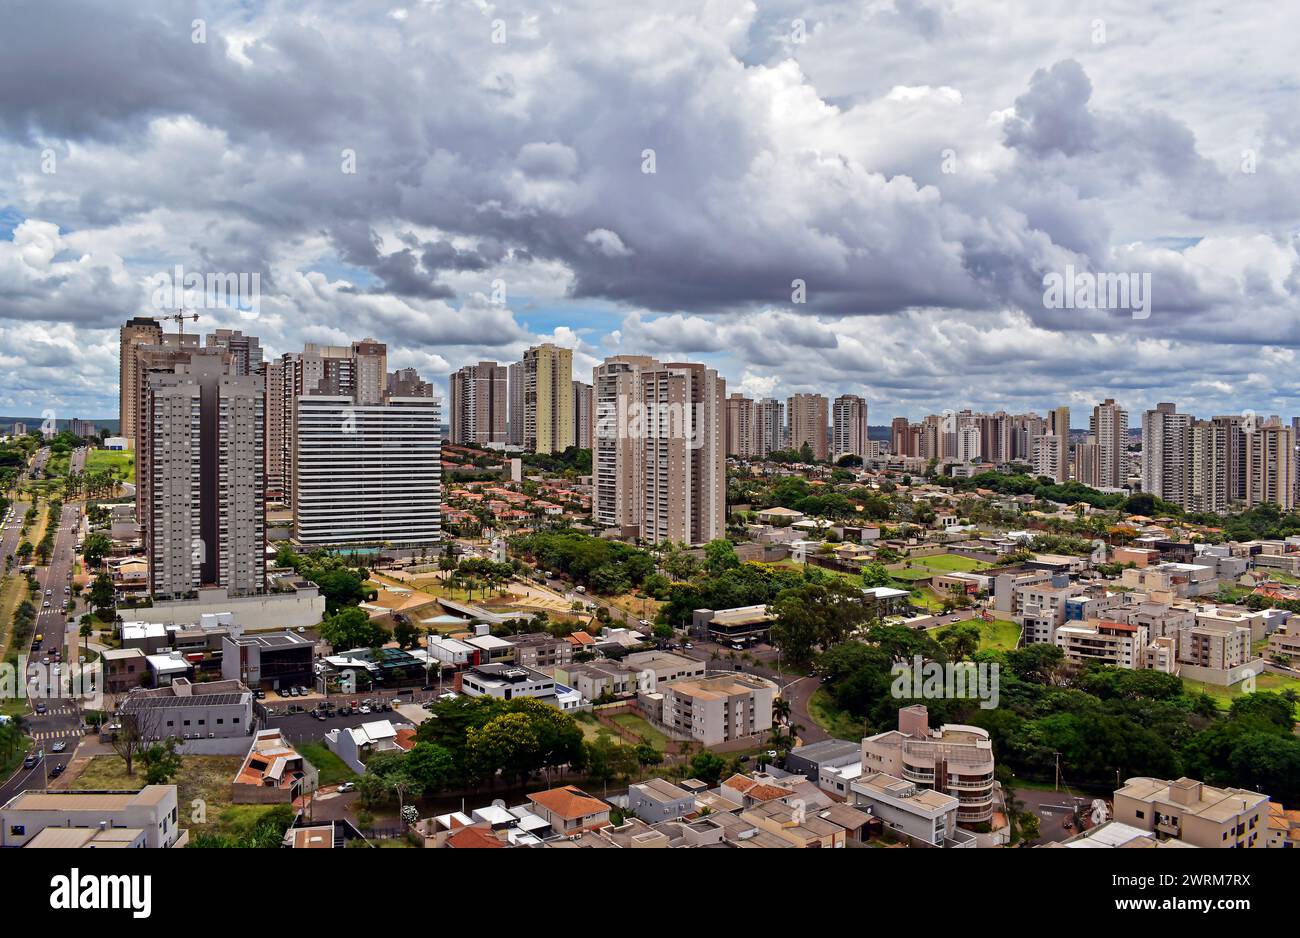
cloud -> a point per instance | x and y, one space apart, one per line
919 165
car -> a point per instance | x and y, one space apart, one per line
347 787
293 692
57 770
60 746
46 661
32 760
645 621
345 711
319 714
46 604
364 710
41 708
688 645
49 592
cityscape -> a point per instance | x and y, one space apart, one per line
449 427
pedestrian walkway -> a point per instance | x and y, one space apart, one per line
41 735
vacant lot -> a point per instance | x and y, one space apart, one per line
998 635
203 791
122 462
1223 696
638 724
332 769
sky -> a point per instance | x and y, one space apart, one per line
859 198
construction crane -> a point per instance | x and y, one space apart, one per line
179 318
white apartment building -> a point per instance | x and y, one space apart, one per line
1108 428
1098 641
367 474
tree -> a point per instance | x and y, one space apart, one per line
352 628
102 594
961 640
161 762
95 548
431 767
720 556
708 767
130 738
875 574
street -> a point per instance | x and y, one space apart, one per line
61 722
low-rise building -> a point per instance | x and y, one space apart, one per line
272 661
713 710
1193 812
657 800
192 711
954 759
273 772
569 810
511 681
921 815
144 818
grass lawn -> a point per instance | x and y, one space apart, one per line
332 769
13 590
833 720
10 766
120 461
637 724
1223 696
998 635
950 563
908 574
205 779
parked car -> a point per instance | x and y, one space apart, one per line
41 708
57 770
364 710
347 787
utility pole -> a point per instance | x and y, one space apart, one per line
1058 771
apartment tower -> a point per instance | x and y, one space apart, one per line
809 418
850 433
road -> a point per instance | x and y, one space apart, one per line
61 722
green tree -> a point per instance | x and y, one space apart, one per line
161 762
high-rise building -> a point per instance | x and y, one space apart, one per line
850 432
138 331
809 416
900 437
1165 458
584 415
1109 430
548 399
353 371
171 351
618 452
406 382
684 466
478 404
968 443
743 429
204 516
515 383
771 426
1048 458
1234 432
245 350
367 474
1207 467
1270 465
1087 463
